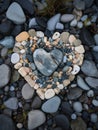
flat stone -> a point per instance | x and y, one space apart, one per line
5 75
80 49
18 65
59 26
6 123
15 13
74 93
89 68
12 103
95 48
79 4
22 36
77 106
81 83
90 93
51 24
67 18
64 36
78 124
27 91
49 93
92 82
32 32
45 62
35 119
52 105
80 25
7 42
15 58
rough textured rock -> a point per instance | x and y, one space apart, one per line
47 62
4 75
35 119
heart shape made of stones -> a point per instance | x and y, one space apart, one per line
45 62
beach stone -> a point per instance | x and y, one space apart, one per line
62 121
51 105
80 49
89 68
15 13
56 35
90 93
27 91
64 36
72 39
78 124
92 82
6 123
95 48
88 3
39 34
51 24
4 52
67 18
41 21
74 93
5 75
95 102
81 83
18 65
49 93
73 23
35 119
32 22
16 30
36 103
94 117
80 25
32 32
59 26
79 4
44 61
11 103
77 106
15 58
7 42
96 38
4 4
75 70
22 36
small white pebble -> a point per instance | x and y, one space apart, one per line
39 34
12 88
64 59
73 116
90 93
56 35
19 125
15 58
22 51
80 25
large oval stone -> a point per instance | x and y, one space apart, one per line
46 62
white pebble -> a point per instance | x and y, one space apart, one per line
49 93
73 116
90 93
75 70
56 35
22 51
19 125
95 102
77 106
60 86
80 49
73 23
94 118
39 34
15 58
80 25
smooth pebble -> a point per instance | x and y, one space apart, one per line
15 58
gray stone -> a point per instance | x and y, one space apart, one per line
27 91
67 18
95 48
59 26
77 106
45 62
88 3
32 22
92 82
4 75
4 52
6 123
78 124
96 38
12 103
89 68
7 42
52 105
74 93
79 4
15 13
51 24
94 118
35 119
36 103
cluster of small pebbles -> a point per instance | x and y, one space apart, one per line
47 64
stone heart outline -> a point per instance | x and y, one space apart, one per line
69 43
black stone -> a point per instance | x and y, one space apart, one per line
86 37
6 123
4 4
95 56
6 27
37 28
88 55
17 29
86 116
27 6
41 21
48 33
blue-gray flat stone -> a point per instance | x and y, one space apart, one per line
45 62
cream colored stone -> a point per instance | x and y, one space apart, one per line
71 77
56 35
64 37
22 51
66 82
36 86
22 72
60 86
72 38
40 93
32 32
56 90
18 65
45 39
75 70
77 42
22 36
80 49
49 93
29 80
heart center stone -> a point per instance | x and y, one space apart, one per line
46 62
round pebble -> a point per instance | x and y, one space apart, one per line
56 35
77 106
90 93
49 93
39 34
80 49
19 125
72 38
73 116
60 86
15 58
